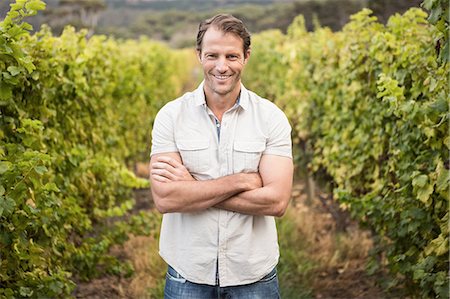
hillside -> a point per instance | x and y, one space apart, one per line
175 21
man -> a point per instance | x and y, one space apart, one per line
221 168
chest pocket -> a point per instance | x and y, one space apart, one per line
246 155
195 154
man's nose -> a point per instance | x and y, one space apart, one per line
222 65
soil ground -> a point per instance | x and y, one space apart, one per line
341 275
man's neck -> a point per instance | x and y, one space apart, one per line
219 104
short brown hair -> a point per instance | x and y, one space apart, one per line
227 24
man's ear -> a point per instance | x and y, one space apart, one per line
199 56
247 55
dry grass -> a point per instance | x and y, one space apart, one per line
328 246
148 278
330 262
148 265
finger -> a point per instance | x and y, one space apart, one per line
164 173
173 174
159 178
162 165
169 160
163 168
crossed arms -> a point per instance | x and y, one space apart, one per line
264 193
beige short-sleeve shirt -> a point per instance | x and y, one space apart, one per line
243 247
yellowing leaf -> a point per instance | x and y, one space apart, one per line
447 141
439 246
423 194
420 181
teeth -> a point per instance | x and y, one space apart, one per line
221 77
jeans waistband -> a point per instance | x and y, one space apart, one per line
175 274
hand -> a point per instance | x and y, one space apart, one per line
253 180
167 169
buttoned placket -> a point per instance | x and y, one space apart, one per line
225 135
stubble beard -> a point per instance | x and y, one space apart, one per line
223 89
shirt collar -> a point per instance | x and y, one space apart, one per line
242 100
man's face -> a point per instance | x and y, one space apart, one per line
222 58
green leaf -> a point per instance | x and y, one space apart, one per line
423 194
419 274
5 91
35 75
440 105
435 14
7 205
56 287
2 190
14 70
51 187
5 166
26 27
420 181
9 293
444 55
427 4
433 84
35 5
25 292
40 169
15 31
27 62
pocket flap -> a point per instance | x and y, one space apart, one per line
249 146
192 144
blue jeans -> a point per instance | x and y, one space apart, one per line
179 288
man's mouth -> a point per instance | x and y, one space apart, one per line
222 77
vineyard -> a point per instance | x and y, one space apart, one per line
369 106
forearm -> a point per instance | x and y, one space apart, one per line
261 201
193 196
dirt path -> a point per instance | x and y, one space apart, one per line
337 245
341 256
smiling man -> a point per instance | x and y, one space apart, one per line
221 169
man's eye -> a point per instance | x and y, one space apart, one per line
233 57
210 56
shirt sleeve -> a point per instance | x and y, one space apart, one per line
163 140
279 142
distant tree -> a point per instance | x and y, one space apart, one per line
175 22
335 13
4 8
330 13
383 9
79 13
